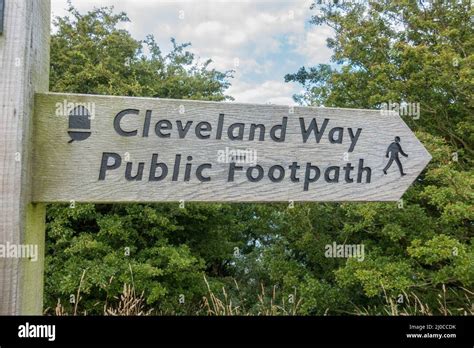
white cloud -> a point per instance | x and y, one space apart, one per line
273 91
314 46
211 26
268 38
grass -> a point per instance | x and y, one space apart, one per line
413 305
129 303
215 305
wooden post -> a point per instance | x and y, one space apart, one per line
24 70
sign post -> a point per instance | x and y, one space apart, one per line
121 149
24 70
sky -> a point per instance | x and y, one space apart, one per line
262 40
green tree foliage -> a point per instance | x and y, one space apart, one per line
275 253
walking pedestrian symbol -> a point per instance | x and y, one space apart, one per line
394 149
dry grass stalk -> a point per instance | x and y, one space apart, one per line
129 304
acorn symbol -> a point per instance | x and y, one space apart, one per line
79 124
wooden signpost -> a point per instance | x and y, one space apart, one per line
24 70
157 150
88 148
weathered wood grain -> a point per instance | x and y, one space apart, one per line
67 172
24 70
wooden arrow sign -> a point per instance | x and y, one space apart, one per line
121 149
